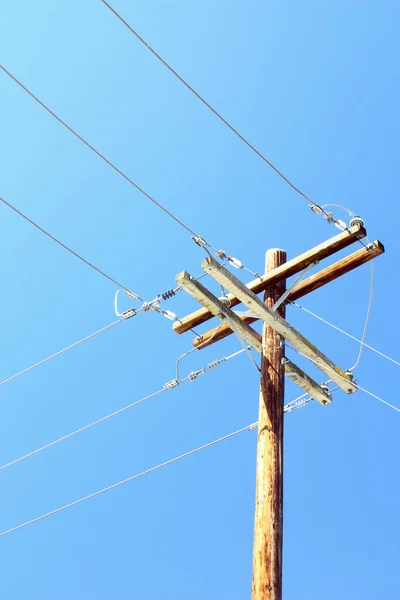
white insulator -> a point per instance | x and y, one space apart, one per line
235 262
340 224
225 301
168 314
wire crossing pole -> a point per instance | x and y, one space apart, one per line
268 521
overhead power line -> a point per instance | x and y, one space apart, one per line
397 409
106 160
44 360
168 386
49 235
132 478
352 337
215 112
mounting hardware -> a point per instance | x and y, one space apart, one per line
357 221
199 241
154 305
221 254
168 314
171 384
225 301
129 313
131 295
316 208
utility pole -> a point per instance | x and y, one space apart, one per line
268 519
268 523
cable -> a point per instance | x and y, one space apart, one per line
21 214
100 155
41 362
352 337
246 348
358 386
367 318
193 349
141 474
213 110
168 386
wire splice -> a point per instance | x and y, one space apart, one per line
171 384
132 312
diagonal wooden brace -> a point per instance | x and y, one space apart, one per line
306 383
218 309
287 331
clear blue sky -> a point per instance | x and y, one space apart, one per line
315 86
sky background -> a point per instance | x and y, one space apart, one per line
315 86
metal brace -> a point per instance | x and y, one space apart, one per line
293 285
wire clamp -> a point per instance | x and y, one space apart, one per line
154 305
199 241
194 375
171 384
316 209
253 426
129 313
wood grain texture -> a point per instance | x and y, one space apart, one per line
310 284
268 518
273 319
300 378
292 267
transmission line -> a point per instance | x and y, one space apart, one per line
49 235
197 238
318 209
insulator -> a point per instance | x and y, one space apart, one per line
199 241
357 221
168 294
171 384
215 363
340 224
315 208
168 314
235 262
225 301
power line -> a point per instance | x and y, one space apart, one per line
212 109
358 386
367 318
91 265
132 478
352 337
106 160
168 386
44 360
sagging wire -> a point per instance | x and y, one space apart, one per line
367 318
250 427
167 386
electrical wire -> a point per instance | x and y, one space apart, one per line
103 157
193 349
191 377
208 105
246 348
132 478
49 235
397 409
367 317
44 360
352 337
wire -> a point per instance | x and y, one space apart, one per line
100 155
132 478
352 337
246 348
166 387
213 110
81 429
91 265
367 317
41 362
358 386
347 210
195 348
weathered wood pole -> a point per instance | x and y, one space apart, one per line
268 523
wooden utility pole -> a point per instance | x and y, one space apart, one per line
268 523
268 527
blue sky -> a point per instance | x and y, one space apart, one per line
314 86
